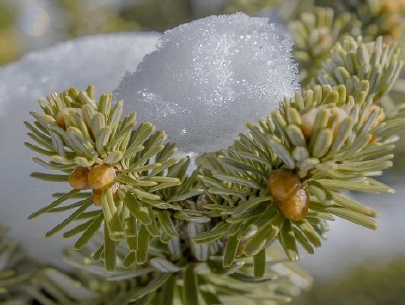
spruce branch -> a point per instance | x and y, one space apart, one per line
354 61
179 278
165 280
283 179
14 272
166 236
131 173
52 286
280 181
378 17
315 32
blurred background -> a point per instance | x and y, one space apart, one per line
354 266
26 25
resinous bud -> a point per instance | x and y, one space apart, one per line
295 208
102 176
97 195
283 184
79 178
60 117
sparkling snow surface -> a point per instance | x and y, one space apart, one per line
209 77
98 60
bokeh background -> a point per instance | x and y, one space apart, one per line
355 266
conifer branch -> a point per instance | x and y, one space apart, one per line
168 236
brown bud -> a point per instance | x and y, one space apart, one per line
338 114
283 184
381 116
97 195
373 140
60 117
78 179
295 208
308 122
101 176
241 248
323 37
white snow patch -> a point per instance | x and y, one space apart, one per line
209 77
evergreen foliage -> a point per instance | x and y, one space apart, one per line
14 272
149 232
77 132
281 181
314 33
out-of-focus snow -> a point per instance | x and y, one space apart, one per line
209 77
98 60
